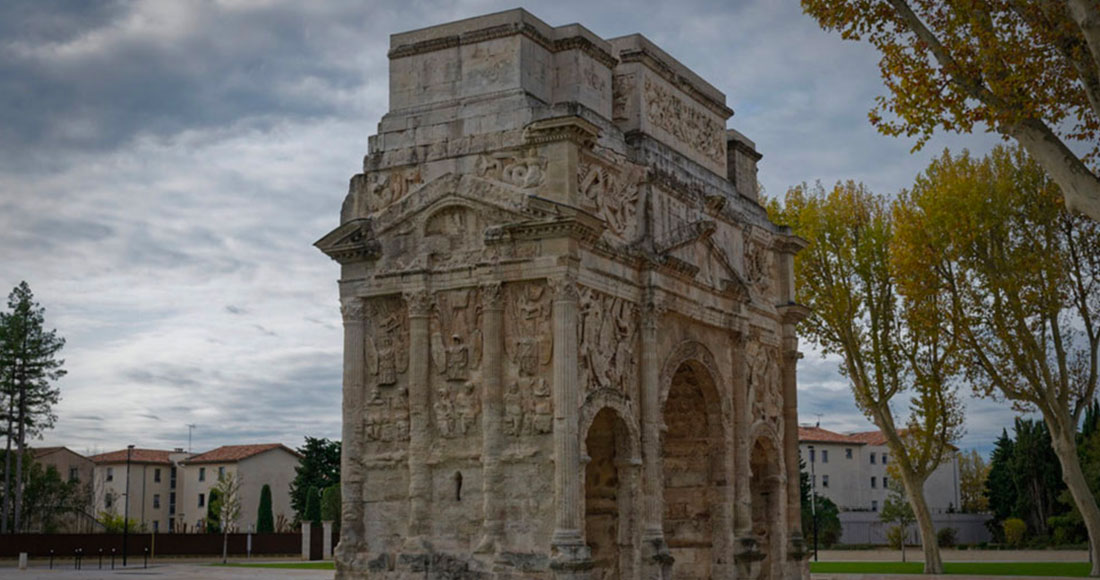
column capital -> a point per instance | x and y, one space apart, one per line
419 302
492 296
353 309
564 288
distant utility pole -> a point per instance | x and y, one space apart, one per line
190 427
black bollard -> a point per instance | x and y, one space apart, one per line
146 564
112 558
101 558
51 559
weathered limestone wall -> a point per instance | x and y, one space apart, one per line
569 340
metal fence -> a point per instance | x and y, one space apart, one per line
867 528
67 545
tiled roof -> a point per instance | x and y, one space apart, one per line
819 435
233 453
872 437
44 451
137 456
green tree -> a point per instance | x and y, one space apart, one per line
1000 487
1022 280
213 509
228 509
330 504
1029 70
319 467
829 528
898 510
313 506
892 346
28 367
265 519
973 473
1036 475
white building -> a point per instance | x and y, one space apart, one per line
851 470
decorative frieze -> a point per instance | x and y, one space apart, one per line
608 335
689 125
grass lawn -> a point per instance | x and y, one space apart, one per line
1078 569
290 565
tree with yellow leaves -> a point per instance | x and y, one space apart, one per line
1021 277
891 346
1029 70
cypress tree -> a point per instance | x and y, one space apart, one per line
313 506
265 519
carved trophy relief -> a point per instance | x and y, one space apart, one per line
759 264
607 332
764 395
455 337
523 170
685 122
387 417
387 342
384 188
528 343
452 235
622 87
613 195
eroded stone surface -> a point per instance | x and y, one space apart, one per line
569 327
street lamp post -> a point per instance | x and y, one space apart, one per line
813 497
126 509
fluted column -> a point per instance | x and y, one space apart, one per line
790 438
567 454
419 305
742 514
653 489
352 469
491 416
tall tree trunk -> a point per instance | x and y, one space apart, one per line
1065 447
7 472
20 445
914 488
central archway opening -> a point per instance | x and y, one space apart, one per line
606 497
765 489
690 453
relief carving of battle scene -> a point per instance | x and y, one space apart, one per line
568 332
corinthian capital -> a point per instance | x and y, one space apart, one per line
419 302
492 296
564 289
353 309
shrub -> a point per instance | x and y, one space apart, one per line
313 506
330 504
895 536
946 538
1014 531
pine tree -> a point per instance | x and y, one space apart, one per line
28 366
265 519
319 467
999 487
313 506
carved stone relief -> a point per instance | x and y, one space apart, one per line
387 342
688 124
384 188
622 87
528 409
612 194
387 416
608 332
765 398
759 263
520 169
456 356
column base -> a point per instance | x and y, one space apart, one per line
571 558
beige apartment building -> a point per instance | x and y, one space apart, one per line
169 490
254 466
852 471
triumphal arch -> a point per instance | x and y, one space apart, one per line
569 325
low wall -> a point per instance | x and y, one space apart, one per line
65 545
867 528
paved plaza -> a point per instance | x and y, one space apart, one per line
171 571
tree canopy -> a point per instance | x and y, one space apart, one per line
1029 70
318 468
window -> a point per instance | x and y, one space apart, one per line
884 458
824 455
172 481
872 459
156 475
813 455
824 481
221 472
874 481
171 507
109 500
202 500
874 505
156 501
110 474
156 526
202 473
848 453
74 474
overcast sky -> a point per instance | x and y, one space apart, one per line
166 166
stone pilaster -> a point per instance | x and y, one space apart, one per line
419 305
568 538
655 550
797 548
492 408
353 473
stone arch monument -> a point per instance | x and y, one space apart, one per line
569 325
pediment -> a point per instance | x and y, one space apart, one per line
352 241
692 250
